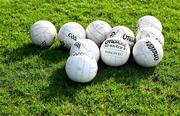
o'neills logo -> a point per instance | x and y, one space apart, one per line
77 44
115 42
153 50
127 37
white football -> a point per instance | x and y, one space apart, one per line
152 33
148 52
87 46
70 32
149 21
81 68
122 32
115 51
97 31
43 33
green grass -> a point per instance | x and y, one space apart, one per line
33 79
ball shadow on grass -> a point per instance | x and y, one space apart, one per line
129 74
49 54
62 87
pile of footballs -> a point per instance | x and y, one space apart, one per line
100 40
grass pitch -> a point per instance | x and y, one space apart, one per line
33 79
